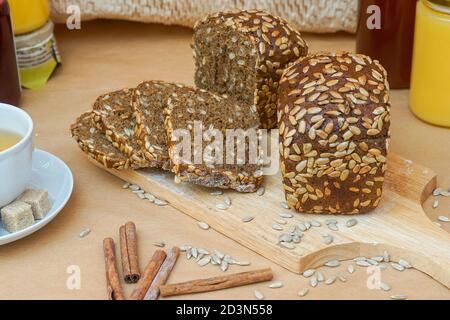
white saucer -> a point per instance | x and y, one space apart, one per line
52 174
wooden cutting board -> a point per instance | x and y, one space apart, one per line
399 225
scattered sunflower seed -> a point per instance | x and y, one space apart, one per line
280 221
331 221
303 292
287 245
315 223
204 261
333 227
385 286
445 193
227 200
202 251
397 266
378 258
444 219
330 280
247 218
138 191
351 223
160 202
313 281
159 244
149 197
320 277
332 263
437 192
194 252
308 273
277 227
203 225
404 264
260 191
350 268
258 295
219 254
435 204
242 263
134 187
216 193
83 233
140 196
284 205
224 265
363 263
222 206
372 262
286 215
276 285
126 185
386 256
328 239
184 247
399 297
301 227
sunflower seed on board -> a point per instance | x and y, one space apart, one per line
307 225
227 200
261 191
320 277
204 261
194 252
385 286
159 244
219 254
378 258
327 239
397 266
134 187
149 197
222 206
399 297
330 280
332 263
83 233
287 245
285 237
276 285
363 263
309 273
444 219
280 221
189 253
435 204
199 257
386 256
333 227
286 215
203 225
224 265
372 262
258 295
342 279
215 259
140 196
331 221
277 227
126 185
216 193
247 219
315 223
301 227
437 192
360 259
303 292
138 191
350 268
202 251
445 193
184 247
313 281
351 222
160 202
242 263
284 205
404 264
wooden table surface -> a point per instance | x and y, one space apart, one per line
107 55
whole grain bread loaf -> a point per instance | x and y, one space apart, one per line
149 101
113 115
203 118
334 117
95 144
243 54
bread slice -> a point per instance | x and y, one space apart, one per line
149 100
243 54
113 115
196 113
95 144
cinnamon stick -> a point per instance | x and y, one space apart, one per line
115 291
129 253
163 274
148 275
216 283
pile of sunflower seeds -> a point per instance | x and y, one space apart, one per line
141 194
203 257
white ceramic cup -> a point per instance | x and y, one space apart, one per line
15 162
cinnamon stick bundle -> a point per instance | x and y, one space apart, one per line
129 253
115 291
163 274
149 275
216 283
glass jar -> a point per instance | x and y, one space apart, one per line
28 15
385 32
430 83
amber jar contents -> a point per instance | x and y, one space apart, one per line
386 33
9 75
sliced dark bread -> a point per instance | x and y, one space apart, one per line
187 107
113 115
95 144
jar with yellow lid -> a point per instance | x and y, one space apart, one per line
28 15
430 82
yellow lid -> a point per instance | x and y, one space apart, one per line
28 15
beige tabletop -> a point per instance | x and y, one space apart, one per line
106 55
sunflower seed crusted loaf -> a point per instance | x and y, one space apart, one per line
199 114
334 117
243 54
95 144
113 115
149 100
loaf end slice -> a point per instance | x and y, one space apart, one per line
334 118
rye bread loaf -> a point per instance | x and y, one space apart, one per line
113 115
95 144
149 100
243 54
198 113
334 117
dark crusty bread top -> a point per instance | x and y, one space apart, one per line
334 118
277 45
94 143
113 114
